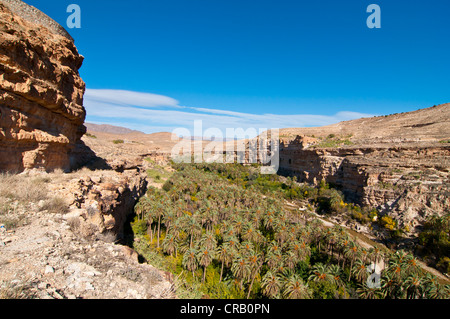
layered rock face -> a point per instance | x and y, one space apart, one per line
41 93
403 170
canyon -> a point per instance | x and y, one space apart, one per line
399 164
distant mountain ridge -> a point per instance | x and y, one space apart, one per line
106 128
428 124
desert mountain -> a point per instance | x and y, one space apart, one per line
425 125
106 128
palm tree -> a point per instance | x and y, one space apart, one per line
254 262
438 291
360 270
295 247
336 273
343 243
190 261
432 288
169 244
281 233
390 285
269 220
237 223
142 207
332 237
275 247
240 268
159 213
271 284
205 256
414 287
351 252
232 241
290 260
366 292
193 228
224 254
274 258
169 217
295 288
395 268
320 273
208 240
293 231
249 232
246 247
176 228
411 264
305 251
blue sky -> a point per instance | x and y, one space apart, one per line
157 65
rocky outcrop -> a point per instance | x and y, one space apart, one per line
101 201
41 94
49 258
410 183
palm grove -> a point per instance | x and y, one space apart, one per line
228 230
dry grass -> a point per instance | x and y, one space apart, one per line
23 188
12 290
22 193
55 205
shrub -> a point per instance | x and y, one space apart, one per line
388 223
167 186
118 141
139 227
444 264
55 205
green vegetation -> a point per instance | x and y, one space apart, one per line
444 141
225 231
158 173
435 241
332 141
90 135
118 141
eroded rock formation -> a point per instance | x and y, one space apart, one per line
399 164
41 95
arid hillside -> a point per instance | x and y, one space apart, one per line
421 126
399 163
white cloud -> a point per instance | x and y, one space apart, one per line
121 97
153 113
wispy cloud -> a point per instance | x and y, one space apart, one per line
154 113
121 97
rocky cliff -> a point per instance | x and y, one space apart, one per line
41 92
399 163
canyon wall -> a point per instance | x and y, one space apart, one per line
409 182
41 92
398 163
